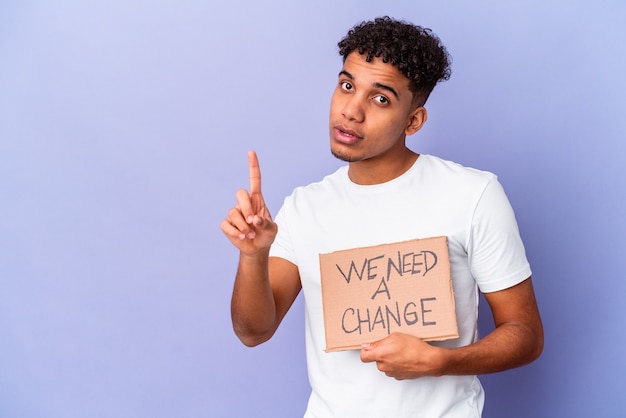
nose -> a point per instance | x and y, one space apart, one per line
353 109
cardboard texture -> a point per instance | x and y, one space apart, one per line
371 292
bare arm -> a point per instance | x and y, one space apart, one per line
259 303
264 287
516 340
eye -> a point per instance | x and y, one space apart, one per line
381 100
346 85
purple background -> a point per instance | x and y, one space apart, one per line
124 127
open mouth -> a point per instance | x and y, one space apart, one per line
345 135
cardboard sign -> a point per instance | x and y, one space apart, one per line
371 292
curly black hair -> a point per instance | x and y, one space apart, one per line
415 51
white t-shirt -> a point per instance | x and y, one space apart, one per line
433 198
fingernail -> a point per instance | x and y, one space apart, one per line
251 234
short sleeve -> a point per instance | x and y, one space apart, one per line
496 253
282 246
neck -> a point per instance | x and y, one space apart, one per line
374 171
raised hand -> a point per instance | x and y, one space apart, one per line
249 225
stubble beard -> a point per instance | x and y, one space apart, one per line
341 156
344 155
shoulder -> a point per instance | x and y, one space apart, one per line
437 166
329 185
445 175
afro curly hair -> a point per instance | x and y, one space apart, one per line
415 51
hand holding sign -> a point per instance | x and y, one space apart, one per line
403 356
249 225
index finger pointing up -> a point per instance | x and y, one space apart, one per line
255 173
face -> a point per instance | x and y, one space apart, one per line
371 112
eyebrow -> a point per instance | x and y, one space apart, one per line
376 84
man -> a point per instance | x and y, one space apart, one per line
387 193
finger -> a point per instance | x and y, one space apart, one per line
244 205
367 356
239 224
255 173
230 231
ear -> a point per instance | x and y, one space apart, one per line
417 118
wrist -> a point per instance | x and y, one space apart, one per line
260 253
442 360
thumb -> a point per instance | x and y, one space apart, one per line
263 222
368 352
